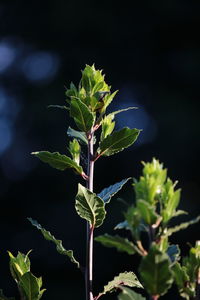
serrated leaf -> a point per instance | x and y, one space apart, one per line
155 272
147 212
170 231
121 110
80 135
59 247
126 278
81 114
122 244
30 285
108 126
75 150
89 206
2 297
128 294
117 141
182 281
58 161
58 106
107 193
19 265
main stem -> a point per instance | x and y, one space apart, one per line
90 229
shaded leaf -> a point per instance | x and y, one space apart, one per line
182 281
2 297
170 231
126 278
80 135
147 212
59 106
128 294
122 225
81 114
59 247
30 285
155 272
122 244
107 193
89 206
58 161
117 141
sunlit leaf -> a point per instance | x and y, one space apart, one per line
107 193
126 278
147 212
89 206
121 244
81 114
170 231
117 141
58 161
80 135
59 247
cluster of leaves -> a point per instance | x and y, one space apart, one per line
87 105
156 204
29 286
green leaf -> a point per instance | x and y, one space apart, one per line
2 297
107 193
58 161
121 110
89 206
30 286
83 117
170 231
155 272
75 150
108 126
147 212
128 294
59 106
59 247
122 244
126 278
182 281
81 136
118 141
19 265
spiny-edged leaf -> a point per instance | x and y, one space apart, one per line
155 272
182 280
170 231
121 110
117 141
59 247
126 278
2 297
59 106
128 294
173 252
81 114
30 285
19 265
147 212
122 244
80 135
107 193
107 100
89 206
58 161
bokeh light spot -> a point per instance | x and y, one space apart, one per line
7 56
40 66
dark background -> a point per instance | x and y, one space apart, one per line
149 50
